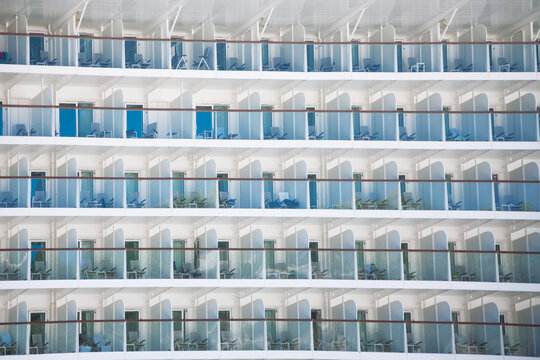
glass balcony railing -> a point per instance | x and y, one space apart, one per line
263 193
67 120
297 56
123 335
270 264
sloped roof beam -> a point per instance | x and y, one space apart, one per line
68 14
356 24
354 13
81 17
449 23
422 28
255 18
175 9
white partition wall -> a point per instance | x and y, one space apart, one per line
296 190
205 188
475 127
294 54
339 195
66 192
383 55
437 337
389 260
432 194
161 331
19 333
182 123
470 54
298 261
206 262
159 191
394 332
482 264
526 266
208 329
113 50
19 188
528 338
65 262
250 123
253 333
115 120
385 190
114 331
18 260
248 193
301 330
41 122
524 195
519 127
427 126
65 49
384 125
66 339
159 52
478 196
338 124
489 334
295 123
345 330
18 46
160 260
342 264
252 262
434 266
115 259
205 32
115 189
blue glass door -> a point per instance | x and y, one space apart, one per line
1 120
312 191
37 45
130 50
221 50
267 120
399 51
264 56
132 186
204 123
37 184
68 121
222 121
134 121
310 53
86 117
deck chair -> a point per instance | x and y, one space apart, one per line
139 62
404 136
7 200
134 342
84 199
499 134
179 61
151 131
455 135
202 60
453 206
20 130
459 66
99 61
39 200
83 61
279 65
104 201
179 201
180 344
327 65
505 66
38 345
415 66
100 344
95 130
370 67
45 60
365 134
136 270
313 135
133 201
7 345
40 272
234 65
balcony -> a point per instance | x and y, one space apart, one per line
290 53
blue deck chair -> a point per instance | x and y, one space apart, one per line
133 201
7 344
151 131
139 62
454 206
459 66
505 66
370 67
7 201
280 66
100 344
500 134
20 130
45 60
83 61
455 135
39 200
327 65
365 134
203 59
404 136
415 66
313 135
234 65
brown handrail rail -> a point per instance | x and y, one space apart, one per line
270 41
352 111
28 177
